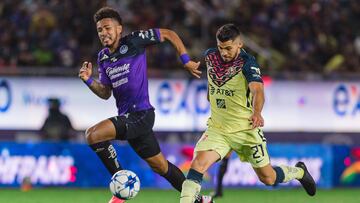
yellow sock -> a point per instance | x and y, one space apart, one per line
292 173
189 191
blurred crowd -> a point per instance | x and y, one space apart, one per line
301 36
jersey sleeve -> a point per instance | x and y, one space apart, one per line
251 71
208 51
103 78
143 38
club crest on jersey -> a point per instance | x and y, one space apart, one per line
124 49
220 103
220 72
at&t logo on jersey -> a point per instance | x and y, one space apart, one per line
221 91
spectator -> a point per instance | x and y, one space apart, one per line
310 35
57 126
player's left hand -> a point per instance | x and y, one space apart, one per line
192 67
256 120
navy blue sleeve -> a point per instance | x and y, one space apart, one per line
251 70
143 38
208 51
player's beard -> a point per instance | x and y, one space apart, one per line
109 45
114 43
105 41
234 57
227 59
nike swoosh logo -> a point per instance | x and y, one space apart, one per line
259 161
99 149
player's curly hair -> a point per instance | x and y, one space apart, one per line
107 12
227 32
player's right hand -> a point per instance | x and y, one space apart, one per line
256 120
85 71
192 67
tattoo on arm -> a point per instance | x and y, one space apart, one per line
100 90
174 39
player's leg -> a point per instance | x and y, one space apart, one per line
273 175
258 157
221 172
142 139
147 147
163 167
98 137
210 148
200 164
253 150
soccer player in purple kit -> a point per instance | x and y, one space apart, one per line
122 72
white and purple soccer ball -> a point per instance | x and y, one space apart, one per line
125 184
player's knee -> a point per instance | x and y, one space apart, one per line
200 165
267 180
90 135
159 168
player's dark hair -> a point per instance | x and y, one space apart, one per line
107 12
227 32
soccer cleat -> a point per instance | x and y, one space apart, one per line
116 200
204 199
307 180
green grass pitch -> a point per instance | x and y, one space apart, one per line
60 195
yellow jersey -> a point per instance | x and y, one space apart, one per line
228 90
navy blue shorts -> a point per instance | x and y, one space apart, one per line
136 128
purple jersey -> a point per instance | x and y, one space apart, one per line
125 70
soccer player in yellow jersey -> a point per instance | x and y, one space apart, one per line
236 95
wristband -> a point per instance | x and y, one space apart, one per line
185 58
89 81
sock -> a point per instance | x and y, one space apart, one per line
292 173
190 189
287 173
195 176
174 176
221 173
107 153
279 175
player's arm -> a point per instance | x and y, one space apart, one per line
252 74
102 91
257 90
174 39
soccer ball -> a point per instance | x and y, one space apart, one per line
124 184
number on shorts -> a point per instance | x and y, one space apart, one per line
256 151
